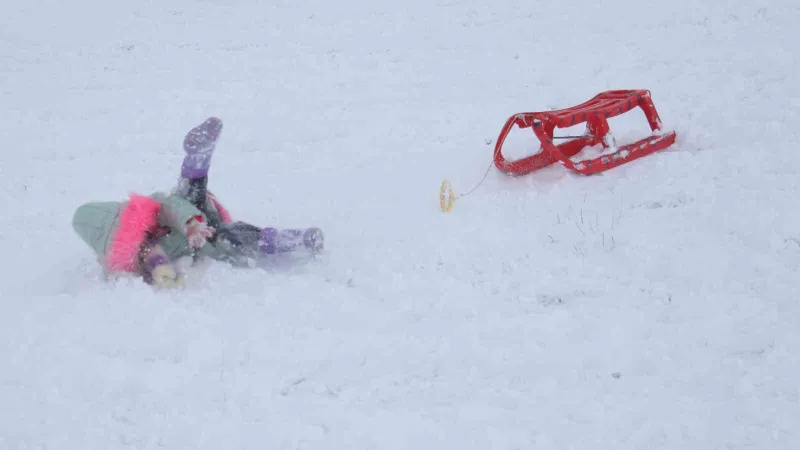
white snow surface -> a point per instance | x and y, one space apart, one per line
654 306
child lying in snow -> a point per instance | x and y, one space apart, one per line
145 235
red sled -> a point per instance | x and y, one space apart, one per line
595 113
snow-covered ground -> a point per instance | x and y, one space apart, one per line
654 306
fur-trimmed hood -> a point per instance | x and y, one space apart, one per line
117 230
137 217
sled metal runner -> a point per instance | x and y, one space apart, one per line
595 113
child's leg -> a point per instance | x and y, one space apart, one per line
238 238
248 240
199 145
195 190
276 240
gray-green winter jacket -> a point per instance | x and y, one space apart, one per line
115 231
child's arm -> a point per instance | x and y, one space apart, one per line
176 212
182 216
156 268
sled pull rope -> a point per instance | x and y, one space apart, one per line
446 196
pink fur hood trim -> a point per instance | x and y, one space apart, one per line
139 215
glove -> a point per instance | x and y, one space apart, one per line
164 276
197 232
159 272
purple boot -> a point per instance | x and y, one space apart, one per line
199 146
274 240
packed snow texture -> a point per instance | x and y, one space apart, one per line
654 306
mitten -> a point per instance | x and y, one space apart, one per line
159 272
197 232
164 276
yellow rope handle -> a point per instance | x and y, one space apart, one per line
446 197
